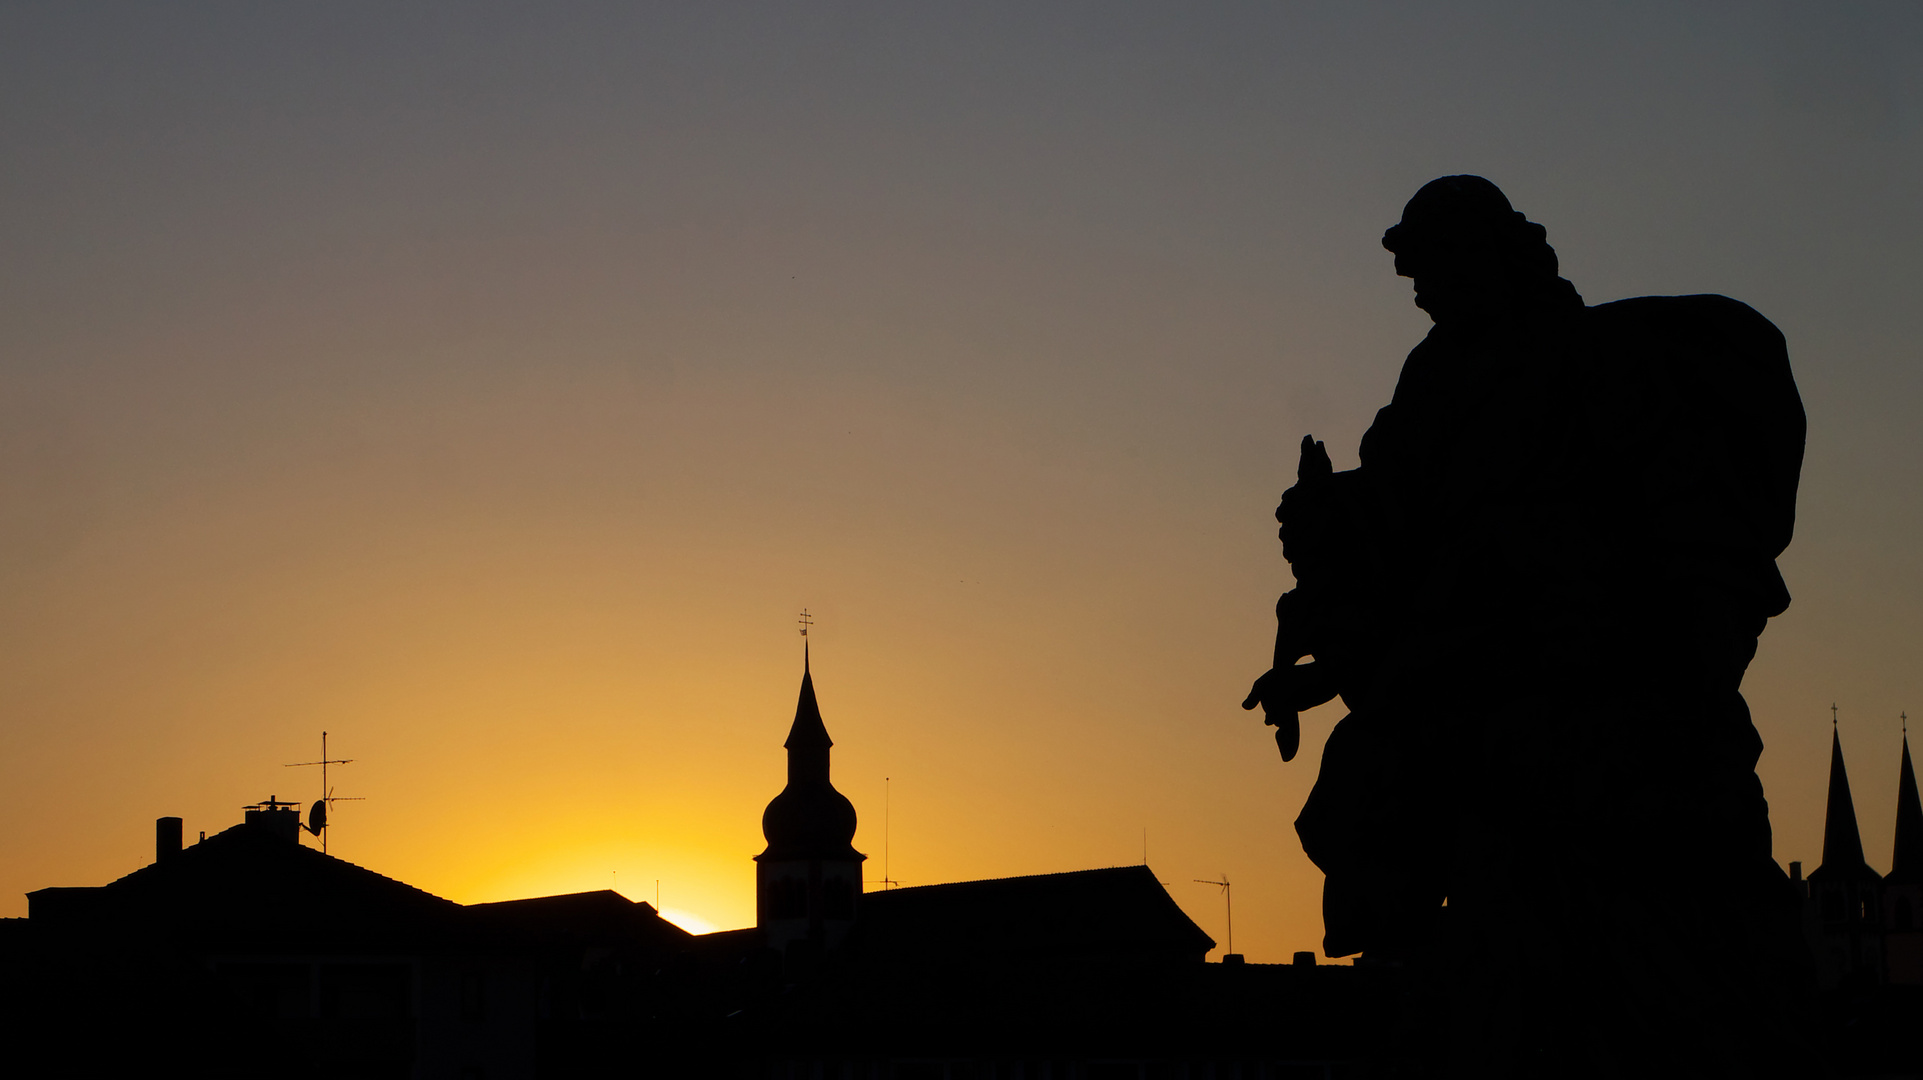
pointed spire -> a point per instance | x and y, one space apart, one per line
808 732
1907 862
1842 840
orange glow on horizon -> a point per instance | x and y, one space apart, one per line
503 432
686 920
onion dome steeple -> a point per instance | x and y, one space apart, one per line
808 881
809 819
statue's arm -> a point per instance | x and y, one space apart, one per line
1308 516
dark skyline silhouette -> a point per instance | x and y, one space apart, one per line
247 953
489 391
489 387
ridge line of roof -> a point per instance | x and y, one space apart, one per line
1019 877
560 896
148 872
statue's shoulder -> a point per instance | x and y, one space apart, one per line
1717 370
1702 320
1722 347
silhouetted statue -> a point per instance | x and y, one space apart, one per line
1537 596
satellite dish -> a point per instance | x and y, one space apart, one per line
317 817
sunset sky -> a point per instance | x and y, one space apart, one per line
490 385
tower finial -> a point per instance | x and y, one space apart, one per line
1832 710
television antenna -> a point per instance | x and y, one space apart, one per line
317 813
887 819
886 882
1228 906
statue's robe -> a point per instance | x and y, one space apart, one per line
1541 588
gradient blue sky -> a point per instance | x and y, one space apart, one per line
489 385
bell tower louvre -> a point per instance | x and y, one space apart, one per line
808 880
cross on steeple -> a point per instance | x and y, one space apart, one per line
806 621
1832 714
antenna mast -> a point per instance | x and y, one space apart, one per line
317 817
1228 905
887 881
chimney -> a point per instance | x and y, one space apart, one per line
166 838
275 818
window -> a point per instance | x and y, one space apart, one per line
365 991
269 991
788 898
837 899
1832 906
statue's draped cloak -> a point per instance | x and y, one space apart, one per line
1550 572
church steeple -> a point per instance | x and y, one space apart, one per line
808 880
1906 863
809 819
1903 889
1842 840
1846 892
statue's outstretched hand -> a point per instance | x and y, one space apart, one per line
1269 693
1283 692
1288 687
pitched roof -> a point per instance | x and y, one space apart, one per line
602 917
251 885
1119 912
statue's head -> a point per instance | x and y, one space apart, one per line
1472 255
